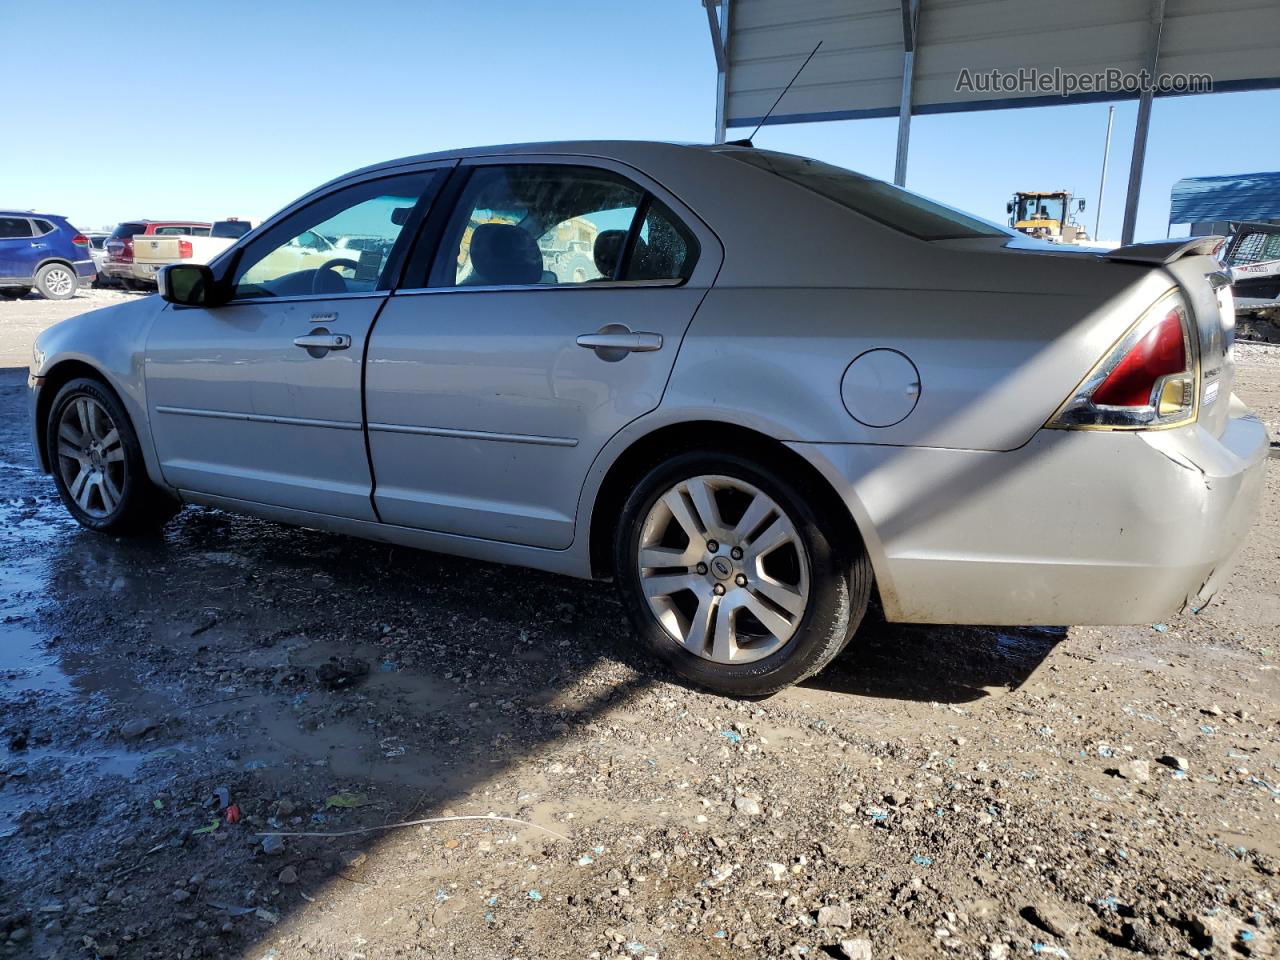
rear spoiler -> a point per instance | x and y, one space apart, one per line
1159 252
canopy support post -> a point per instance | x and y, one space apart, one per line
910 26
1143 125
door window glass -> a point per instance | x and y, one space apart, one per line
533 224
11 227
664 248
346 242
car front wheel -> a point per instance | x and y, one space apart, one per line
97 462
733 577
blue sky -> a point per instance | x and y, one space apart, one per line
233 108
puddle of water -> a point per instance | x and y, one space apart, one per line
26 665
31 777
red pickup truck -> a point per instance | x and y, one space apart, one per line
119 261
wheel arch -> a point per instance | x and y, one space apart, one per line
648 450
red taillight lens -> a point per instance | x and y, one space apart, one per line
1147 380
80 240
184 248
1159 353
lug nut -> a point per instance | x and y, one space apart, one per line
740 580
702 569
736 553
712 546
718 589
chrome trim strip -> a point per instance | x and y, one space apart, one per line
516 288
260 418
297 298
474 434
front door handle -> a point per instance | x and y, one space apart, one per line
614 341
320 341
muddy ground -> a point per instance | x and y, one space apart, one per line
1091 792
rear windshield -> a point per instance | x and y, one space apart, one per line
232 229
882 202
123 230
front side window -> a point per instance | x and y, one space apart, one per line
892 206
341 243
14 227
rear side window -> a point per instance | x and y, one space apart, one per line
558 225
11 227
894 207
43 227
124 230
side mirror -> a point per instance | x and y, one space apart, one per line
190 285
1008 207
1081 205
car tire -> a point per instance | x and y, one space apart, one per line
783 591
97 464
57 281
16 293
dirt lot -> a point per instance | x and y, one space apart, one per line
1091 792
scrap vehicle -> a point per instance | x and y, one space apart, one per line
752 415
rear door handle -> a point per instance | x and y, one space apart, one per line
614 341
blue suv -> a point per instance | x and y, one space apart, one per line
43 251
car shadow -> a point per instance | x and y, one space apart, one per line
937 664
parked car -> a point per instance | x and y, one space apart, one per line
44 251
119 264
779 388
150 253
98 251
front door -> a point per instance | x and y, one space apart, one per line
259 400
550 318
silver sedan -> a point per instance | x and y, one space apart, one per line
755 390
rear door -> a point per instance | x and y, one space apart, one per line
18 254
549 318
259 400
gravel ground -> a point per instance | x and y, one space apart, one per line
969 792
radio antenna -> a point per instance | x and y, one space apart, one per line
766 117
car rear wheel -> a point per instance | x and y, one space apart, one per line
733 577
97 462
57 281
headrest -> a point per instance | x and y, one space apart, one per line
608 249
502 253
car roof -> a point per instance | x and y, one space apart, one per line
615 149
31 213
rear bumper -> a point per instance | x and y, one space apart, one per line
1076 527
86 270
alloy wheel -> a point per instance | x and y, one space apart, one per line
723 569
91 457
59 281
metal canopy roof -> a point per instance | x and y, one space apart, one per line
859 70
867 65
1245 196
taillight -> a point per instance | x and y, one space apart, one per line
80 240
184 248
1148 379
